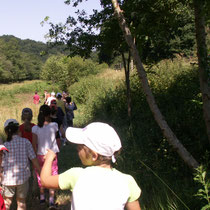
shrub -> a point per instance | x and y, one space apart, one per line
176 88
65 71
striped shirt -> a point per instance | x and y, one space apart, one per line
16 168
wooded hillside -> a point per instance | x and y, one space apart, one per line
23 59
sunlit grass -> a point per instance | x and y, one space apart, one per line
13 110
14 97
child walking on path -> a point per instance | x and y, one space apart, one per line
15 163
26 127
44 137
99 185
70 106
36 98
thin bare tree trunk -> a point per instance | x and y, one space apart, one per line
127 81
204 74
167 132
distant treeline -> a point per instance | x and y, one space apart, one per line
23 59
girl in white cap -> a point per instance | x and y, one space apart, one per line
99 185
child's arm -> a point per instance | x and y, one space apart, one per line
36 165
1 169
133 205
1 154
62 131
48 180
34 142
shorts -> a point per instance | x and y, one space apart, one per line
41 163
21 190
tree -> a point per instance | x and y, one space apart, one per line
173 140
151 40
113 46
203 60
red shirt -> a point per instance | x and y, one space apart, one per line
36 99
26 134
2 205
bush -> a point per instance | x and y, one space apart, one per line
65 71
176 88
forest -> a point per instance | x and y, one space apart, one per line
23 59
158 101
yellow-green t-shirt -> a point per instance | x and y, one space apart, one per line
101 188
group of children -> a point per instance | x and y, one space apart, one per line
65 104
98 186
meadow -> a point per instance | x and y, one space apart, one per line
166 182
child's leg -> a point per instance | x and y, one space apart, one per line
51 191
8 192
7 202
21 203
21 194
41 189
42 196
52 197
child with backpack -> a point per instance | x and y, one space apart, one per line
99 185
16 167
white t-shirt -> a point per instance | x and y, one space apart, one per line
50 99
95 188
46 138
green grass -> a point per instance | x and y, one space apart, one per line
166 182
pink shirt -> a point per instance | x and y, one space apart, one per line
36 99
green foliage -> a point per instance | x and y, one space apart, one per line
65 71
176 88
161 29
202 177
22 59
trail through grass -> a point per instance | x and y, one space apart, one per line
16 97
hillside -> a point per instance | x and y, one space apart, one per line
23 59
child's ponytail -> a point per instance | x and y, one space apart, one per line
44 112
11 128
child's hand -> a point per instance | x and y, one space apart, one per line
50 155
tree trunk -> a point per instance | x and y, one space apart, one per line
204 72
167 132
127 81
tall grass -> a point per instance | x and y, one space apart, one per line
14 97
165 181
175 85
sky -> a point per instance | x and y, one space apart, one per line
22 18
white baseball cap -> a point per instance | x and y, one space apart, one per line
10 122
53 94
99 137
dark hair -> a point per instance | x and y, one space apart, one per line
53 109
44 112
26 117
68 99
10 130
59 96
101 158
